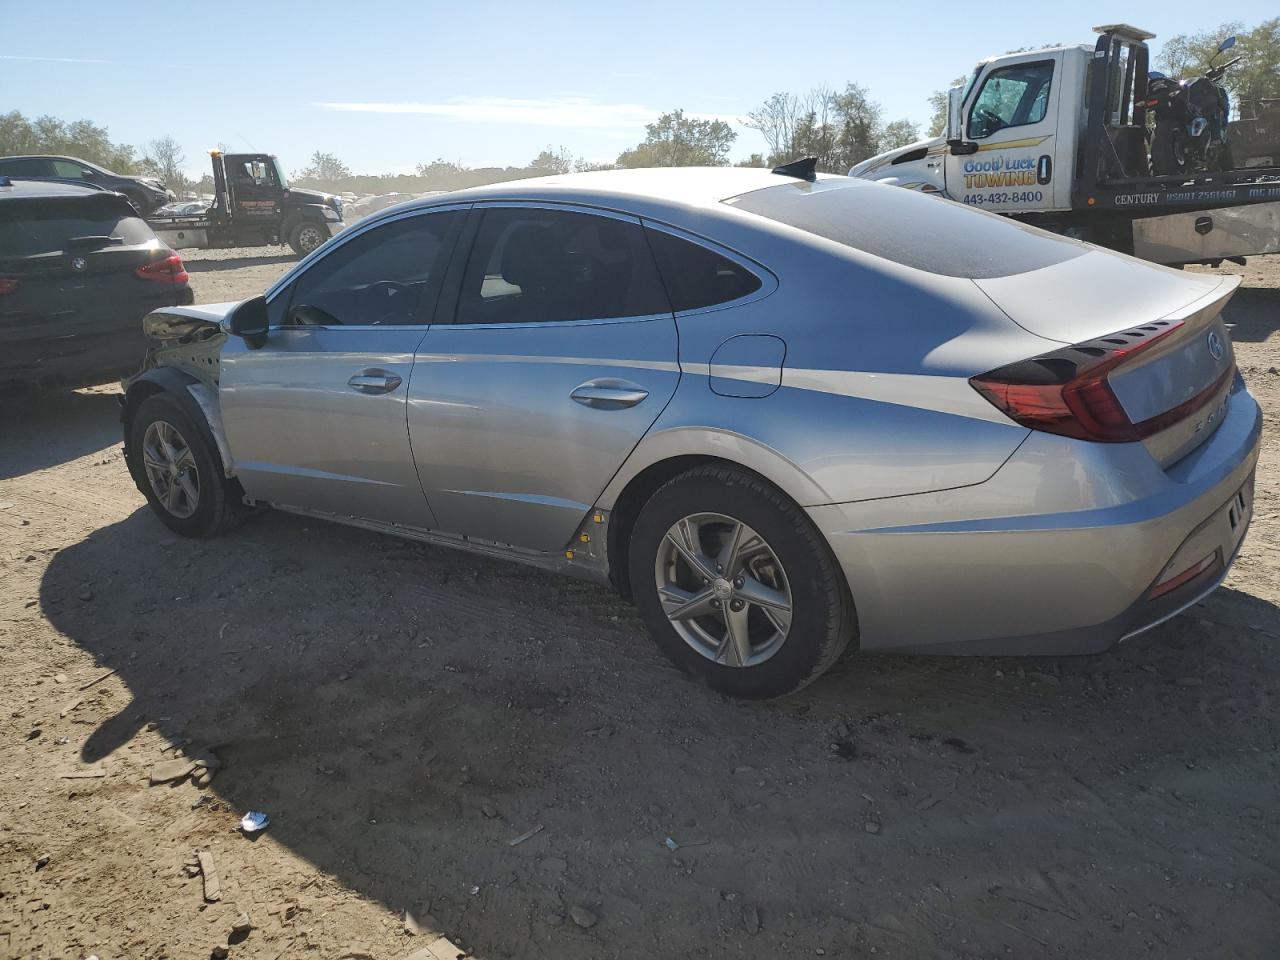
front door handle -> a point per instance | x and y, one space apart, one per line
608 394
374 381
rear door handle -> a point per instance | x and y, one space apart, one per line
608 394
374 381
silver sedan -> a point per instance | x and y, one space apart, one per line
785 414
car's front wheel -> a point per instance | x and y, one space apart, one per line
736 585
179 470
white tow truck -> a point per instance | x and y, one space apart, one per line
1058 138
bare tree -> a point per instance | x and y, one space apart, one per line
164 158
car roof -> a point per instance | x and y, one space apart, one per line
21 187
49 156
652 188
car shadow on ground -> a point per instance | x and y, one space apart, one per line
46 428
404 712
1254 313
236 263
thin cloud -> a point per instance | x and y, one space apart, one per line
564 112
5 56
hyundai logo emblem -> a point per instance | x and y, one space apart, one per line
78 264
1215 345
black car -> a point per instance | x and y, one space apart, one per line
78 271
145 193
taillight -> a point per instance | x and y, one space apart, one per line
7 285
168 270
1173 580
1066 392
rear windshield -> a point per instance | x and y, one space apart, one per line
29 227
910 228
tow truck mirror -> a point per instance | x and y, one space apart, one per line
248 320
1226 44
955 125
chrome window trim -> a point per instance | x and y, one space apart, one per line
768 279
346 236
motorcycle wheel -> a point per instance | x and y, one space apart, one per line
1225 160
1166 158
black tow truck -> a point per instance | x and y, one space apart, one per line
253 205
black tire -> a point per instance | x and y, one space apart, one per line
306 235
217 505
1164 154
822 619
1226 160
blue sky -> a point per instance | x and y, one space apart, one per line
386 85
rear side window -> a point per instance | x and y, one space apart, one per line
25 167
29 227
697 277
531 265
910 228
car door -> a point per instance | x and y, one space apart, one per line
1011 114
561 354
315 417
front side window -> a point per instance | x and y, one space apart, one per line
70 170
1011 97
252 172
531 265
386 276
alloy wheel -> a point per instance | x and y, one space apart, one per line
723 589
171 469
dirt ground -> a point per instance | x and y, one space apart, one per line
404 713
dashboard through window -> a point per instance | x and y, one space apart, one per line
378 278
533 265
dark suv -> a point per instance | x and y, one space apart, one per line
78 271
145 193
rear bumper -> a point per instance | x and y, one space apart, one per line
1064 553
81 349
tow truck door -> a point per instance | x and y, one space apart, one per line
255 193
1008 158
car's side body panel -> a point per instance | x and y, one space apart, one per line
302 435
504 452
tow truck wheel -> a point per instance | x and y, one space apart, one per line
306 236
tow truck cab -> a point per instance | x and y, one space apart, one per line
255 205
1058 138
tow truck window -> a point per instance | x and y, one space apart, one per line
1013 96
254 171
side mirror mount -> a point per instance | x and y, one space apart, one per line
955 125
248 320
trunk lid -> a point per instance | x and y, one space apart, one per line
1177 366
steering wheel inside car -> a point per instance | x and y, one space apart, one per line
991 122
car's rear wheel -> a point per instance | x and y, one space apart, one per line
306 236
180 472
736 586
